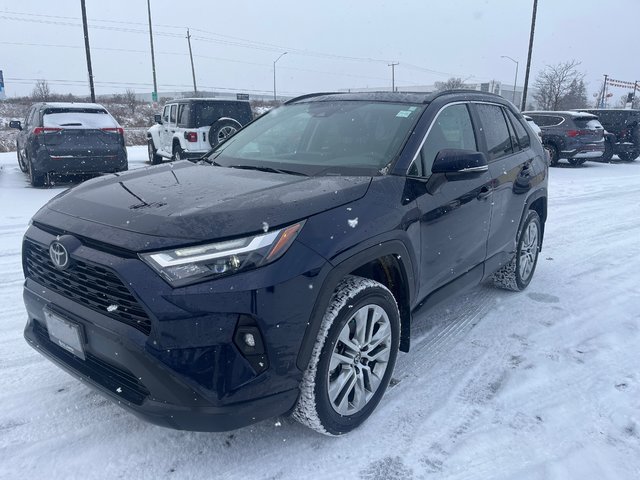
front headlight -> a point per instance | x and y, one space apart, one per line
187 265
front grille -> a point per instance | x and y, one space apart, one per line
114 379
90 285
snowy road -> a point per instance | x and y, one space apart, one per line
543 384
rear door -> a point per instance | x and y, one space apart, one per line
80 132
511 164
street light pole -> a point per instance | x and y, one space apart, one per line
515 82
274 74
528 69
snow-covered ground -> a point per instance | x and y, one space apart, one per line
543 384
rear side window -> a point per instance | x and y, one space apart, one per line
207 113
77 118
547 120
183 115
521 133
452 128
496 132
587 123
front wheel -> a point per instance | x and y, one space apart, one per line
517 274
22 163
352 359
154 158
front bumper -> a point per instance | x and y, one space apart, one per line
187 372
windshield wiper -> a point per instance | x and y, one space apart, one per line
268 169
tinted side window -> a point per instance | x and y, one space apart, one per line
521 133
452 128
165 114
172 114
183 115
495 131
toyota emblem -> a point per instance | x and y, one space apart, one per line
59 255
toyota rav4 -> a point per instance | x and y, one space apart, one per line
282 272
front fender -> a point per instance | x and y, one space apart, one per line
154 134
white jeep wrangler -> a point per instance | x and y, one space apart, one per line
190 127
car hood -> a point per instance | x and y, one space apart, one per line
185 202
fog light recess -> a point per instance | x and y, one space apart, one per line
249 341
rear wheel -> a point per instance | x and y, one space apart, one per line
178 153
352 359
517 274
554 154
154 158
37 179
628 156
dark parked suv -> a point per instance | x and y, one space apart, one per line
281 273
624 127
576 136
69 138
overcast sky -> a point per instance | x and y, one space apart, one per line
331 44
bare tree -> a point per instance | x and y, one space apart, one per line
452 84
560 83
41 92
131 100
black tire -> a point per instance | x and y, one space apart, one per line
628 156
178 153
554 154
221 130
37 179
22 163
154 158
608 152
356 301
517 274
576 162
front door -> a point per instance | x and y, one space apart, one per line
454 212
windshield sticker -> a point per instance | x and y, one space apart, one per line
403 113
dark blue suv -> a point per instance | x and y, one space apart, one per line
281 272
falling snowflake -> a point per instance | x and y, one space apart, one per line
265 227
353 223
112 308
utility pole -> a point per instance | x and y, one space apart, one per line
604 92
154 94
635 87
516 79
86 46
193 70
393 75
526 75
274 75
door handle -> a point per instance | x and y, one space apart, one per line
485 192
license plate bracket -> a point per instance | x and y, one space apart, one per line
64 333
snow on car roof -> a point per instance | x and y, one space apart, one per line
560 112
73 105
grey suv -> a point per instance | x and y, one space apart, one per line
624 125
69 139
576 136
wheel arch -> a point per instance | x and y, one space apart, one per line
537 201
388 264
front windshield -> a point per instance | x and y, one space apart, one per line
321 138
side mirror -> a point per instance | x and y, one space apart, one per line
157 118
460 161
15 124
